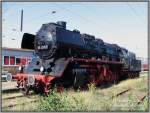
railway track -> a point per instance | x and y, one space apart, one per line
18 100
140 100
121 93
9 105
24 103
10 90
19 96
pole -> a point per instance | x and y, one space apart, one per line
21 21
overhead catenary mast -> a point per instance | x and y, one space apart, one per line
21 27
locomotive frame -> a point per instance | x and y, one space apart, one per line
93 71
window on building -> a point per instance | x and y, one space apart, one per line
6 60
18 61
28 61
12 60
23 61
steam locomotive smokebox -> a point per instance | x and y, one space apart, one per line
62 23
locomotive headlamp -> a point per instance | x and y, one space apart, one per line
42 69
20 68
31 79
9 77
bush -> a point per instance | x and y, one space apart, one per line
61 102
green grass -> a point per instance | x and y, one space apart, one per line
95 99
61 102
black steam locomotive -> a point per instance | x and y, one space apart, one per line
88 56
54 41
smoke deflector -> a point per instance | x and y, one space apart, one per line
27 41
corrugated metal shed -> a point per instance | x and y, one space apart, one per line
10 56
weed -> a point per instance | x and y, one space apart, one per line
132 102
61 102
92 87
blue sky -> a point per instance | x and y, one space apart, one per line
114 22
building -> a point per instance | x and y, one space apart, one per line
144 63
144 67
15 56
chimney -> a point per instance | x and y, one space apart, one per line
62 23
